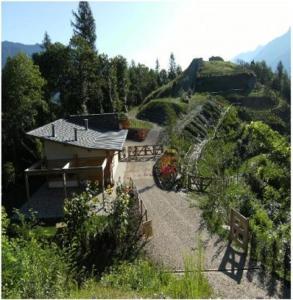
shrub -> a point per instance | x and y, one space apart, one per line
31 269
8 174
93 242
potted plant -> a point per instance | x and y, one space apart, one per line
124 121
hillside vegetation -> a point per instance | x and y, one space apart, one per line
203 76
248 156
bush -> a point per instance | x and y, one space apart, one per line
8 174
216 58
31 269
93 242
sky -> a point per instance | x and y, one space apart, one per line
145 31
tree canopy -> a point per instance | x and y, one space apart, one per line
84 24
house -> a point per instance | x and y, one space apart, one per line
77 149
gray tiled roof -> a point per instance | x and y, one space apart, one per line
103 132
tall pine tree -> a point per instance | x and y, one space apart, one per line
172 67
84 24
46 41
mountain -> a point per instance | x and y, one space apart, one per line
12 49
249 55
279 49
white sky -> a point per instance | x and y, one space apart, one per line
146 30
203 28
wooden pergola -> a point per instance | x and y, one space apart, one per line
68 167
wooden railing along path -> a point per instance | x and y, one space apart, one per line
146 224
135 152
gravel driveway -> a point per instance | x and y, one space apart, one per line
177 226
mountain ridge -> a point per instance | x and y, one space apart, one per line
10 49
278 49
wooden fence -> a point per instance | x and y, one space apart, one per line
146 224
135 152
200 183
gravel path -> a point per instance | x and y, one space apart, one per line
177 226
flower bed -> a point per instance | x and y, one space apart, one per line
166 170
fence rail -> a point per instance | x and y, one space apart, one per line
146 224
201 183
135 152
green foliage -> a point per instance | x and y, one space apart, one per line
54 65
260 138
8 174
31 269
120 64
84 25
141 275
149 280
174 70
261 156
92 242
142 81
162 111
23 108
216 58
135 123
218 67
94 289
83 81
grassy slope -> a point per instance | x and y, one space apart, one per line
135 123
219 68
143 279
208 69
161 110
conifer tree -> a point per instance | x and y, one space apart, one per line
46 43
84 24
157 66
172 67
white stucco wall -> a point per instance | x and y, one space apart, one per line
53 150
115 162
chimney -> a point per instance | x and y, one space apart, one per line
86 124
75 134
53 130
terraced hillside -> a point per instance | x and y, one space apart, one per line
196 126
207 76
213 80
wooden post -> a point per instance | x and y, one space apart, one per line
103 185
27 187
64 184
140 204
